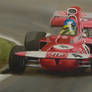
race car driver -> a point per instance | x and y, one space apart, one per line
69 28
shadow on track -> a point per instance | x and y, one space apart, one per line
40 72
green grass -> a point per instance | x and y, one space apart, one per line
5 48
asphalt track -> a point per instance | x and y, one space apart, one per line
20 16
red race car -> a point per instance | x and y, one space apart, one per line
68 51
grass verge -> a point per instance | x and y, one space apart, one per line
5 48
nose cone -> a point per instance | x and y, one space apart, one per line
62 65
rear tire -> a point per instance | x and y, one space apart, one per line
16 63
32 40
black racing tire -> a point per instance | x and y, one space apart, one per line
16 63
32 40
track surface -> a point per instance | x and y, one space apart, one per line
20 16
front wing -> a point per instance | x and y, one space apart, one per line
53 55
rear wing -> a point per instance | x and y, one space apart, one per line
60 16
87 23
87 20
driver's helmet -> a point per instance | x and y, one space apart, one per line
70 22
69 27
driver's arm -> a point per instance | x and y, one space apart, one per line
63 31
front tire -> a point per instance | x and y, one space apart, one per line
16 63
32 40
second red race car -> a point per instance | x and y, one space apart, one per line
68 51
